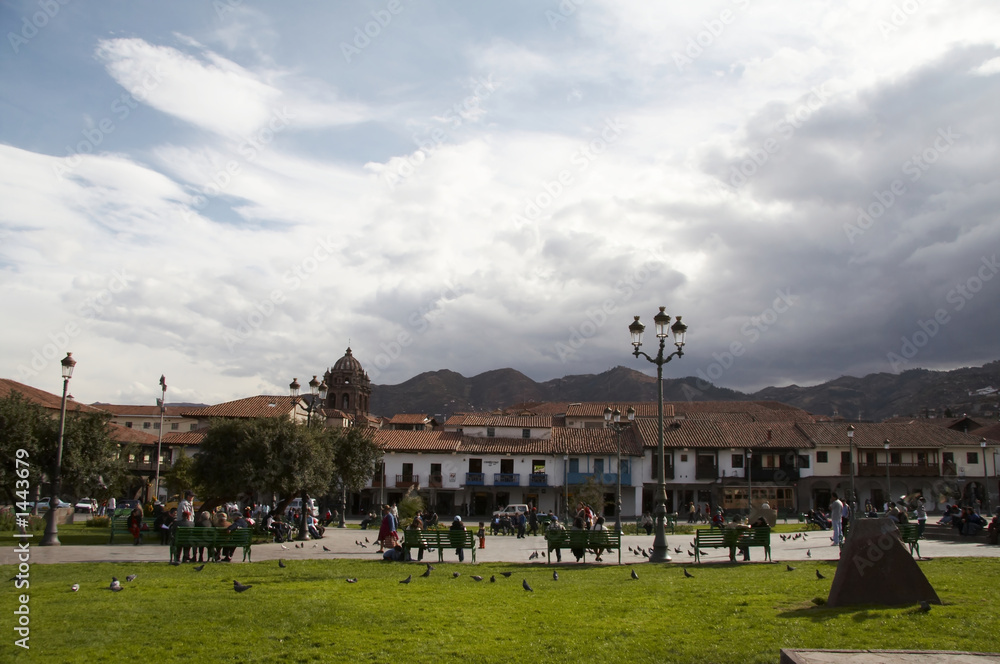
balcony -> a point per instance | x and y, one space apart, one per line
607 479
475 479
706 473
140 465
435 481
506 479
778 475
407 481
899 469
538 479
378 481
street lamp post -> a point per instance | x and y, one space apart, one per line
51 537
854 495
749 483
986 478
888 482
613 420
660 552
293 391
159 441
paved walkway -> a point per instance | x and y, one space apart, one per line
815 546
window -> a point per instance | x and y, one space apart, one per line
193 426
972 458
598 466
948 457
345 402
822 457
538 465
574 465
845 457
174 426
506 465
156 425
128 424
684 458
145 425
407 472
491 432
896 457
525 433
475 465
803 461
737 461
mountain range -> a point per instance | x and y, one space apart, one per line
875 397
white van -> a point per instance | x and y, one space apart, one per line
296 504
511 510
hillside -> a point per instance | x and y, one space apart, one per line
872 397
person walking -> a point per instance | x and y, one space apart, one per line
459 549
836 516
921 514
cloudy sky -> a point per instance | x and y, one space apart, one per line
230 193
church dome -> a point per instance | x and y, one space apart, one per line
348 363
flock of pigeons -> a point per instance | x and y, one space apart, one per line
116 585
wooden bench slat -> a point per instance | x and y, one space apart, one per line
583 539
732 538
441 539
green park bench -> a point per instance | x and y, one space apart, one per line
587 540
212 538
909 534
439 539
119 524
732 539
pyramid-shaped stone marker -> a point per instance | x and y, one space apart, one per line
876 568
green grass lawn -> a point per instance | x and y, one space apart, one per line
308 613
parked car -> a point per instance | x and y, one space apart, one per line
296 504
85 505
511 510
43 504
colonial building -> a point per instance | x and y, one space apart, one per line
349 388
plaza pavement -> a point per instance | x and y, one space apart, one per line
509 549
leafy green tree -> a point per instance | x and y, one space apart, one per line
269 455
180 477
90 459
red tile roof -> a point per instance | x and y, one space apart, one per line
911 434
524 446
392 440
259 406
519 422
595 441
990 433
761 411
718 435
43 398
409 418
596 409
184 437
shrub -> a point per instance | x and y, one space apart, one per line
409 506
99 522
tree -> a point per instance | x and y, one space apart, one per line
90 460
355 459
269 455
180 476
